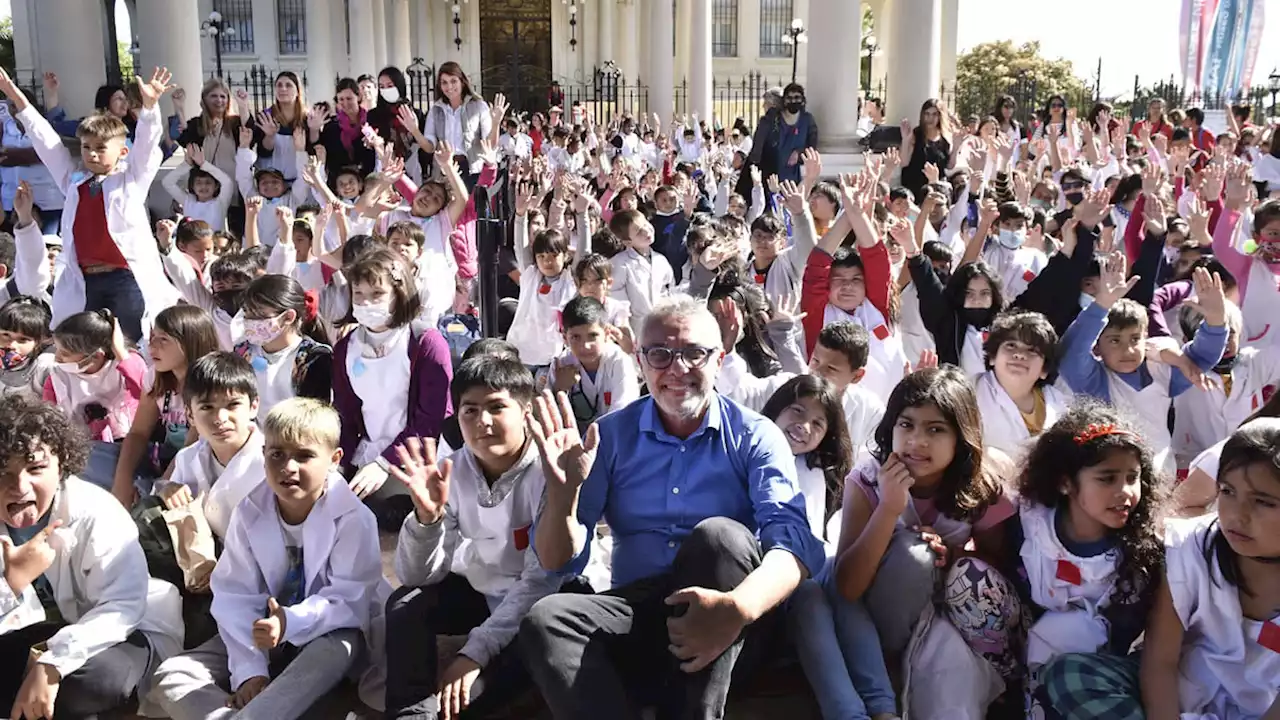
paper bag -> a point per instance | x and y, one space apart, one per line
192 543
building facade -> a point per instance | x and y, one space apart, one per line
507 43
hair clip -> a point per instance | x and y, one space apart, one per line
1097 430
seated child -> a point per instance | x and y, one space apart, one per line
202 188
1015 395
597 375
640 276
82 627
187 261
296 590
97 381
464 555
269 183
25 362
545 287
593 276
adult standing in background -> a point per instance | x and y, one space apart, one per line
341 136
216 130
287 115
758 157
460 117
399 123
794 132
928 142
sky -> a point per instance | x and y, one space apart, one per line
1132 37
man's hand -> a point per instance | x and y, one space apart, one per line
38 694
268 632
151 90
710 623
455 686
426 479
26 562
248 690
567 457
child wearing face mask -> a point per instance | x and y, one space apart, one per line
1258 267
1122 372
1004 251
25 360
808 410
1085 555
285 342
203 190
389 382
269 183
98 381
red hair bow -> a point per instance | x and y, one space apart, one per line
313 304
1097 430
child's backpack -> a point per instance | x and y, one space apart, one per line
460 330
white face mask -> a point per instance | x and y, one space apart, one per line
372 315
1012 239
390 94
70 368
1085 300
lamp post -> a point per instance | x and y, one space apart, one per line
216 28
457 26
573 25
795 37
1274 82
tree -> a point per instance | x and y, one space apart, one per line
8 60
126 61
996 68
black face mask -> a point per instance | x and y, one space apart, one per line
1074 198
228 301
977 317
1225 365
795 107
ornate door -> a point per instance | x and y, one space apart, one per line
515 51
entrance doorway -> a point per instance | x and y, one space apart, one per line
515 51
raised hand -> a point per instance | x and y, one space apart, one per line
489 154
1239 185
1095 205
24 204
895 484
786 310
812 166
1112 284
1198 220
1210 298
152 90
931 173
253 206
195 155
12 91
498 110
246 137
269 631
567 457
317 116
24 563
268 124
793 197
1215 177
426 479
164 233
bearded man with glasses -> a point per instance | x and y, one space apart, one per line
708 527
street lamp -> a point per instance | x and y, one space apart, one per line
573 25
1274 82
795 36
215 27
457 26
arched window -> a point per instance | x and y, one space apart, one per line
775 21
724 28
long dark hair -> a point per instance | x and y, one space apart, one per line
834 453
1253 443
1002 102
454 69
277 294
754 347
967 488
1046 116
959 283
192 328
1057 455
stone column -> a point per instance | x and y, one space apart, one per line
604 48
424 42
320 51
399 53
950 40
683 25
363 52
337 34
71 45
628 59
661 79
834 57
700 100
26 41
379 36
914 57
168 34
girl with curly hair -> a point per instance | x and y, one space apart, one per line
1084 552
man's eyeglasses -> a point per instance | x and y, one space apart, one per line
694 357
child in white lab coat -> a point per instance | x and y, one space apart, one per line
74 579
296 588
1015 395
546 284
640 276
597 376
1212 643
464 553
269 183
203 188
1084 552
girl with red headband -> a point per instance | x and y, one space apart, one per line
286 342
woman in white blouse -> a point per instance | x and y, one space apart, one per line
459 117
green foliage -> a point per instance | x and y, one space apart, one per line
126 60
7 59
995 68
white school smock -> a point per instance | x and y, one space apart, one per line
813 486
219 489
1261 307
124 193
1203 417
295 194
1016 268
535 329
886 361
436 269
1072 621
1224 670
101 584
1151 407
212 211
274 372
382 384
641 281
1002 424
916 338
973 359
343 584
616 384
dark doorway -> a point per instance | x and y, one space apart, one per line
515 51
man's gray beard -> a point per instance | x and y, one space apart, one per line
691 407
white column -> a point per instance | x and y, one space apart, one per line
684 24
337 33
168 33
363 58
398 24
604 50
379 35
950 40
628 40
914 57
700 59
661 80
73 50
424 41
833 59
266 40
26 43
320 51
749 36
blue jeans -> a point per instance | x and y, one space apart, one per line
118 292
100 468
839 650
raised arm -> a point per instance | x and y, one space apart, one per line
48 145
